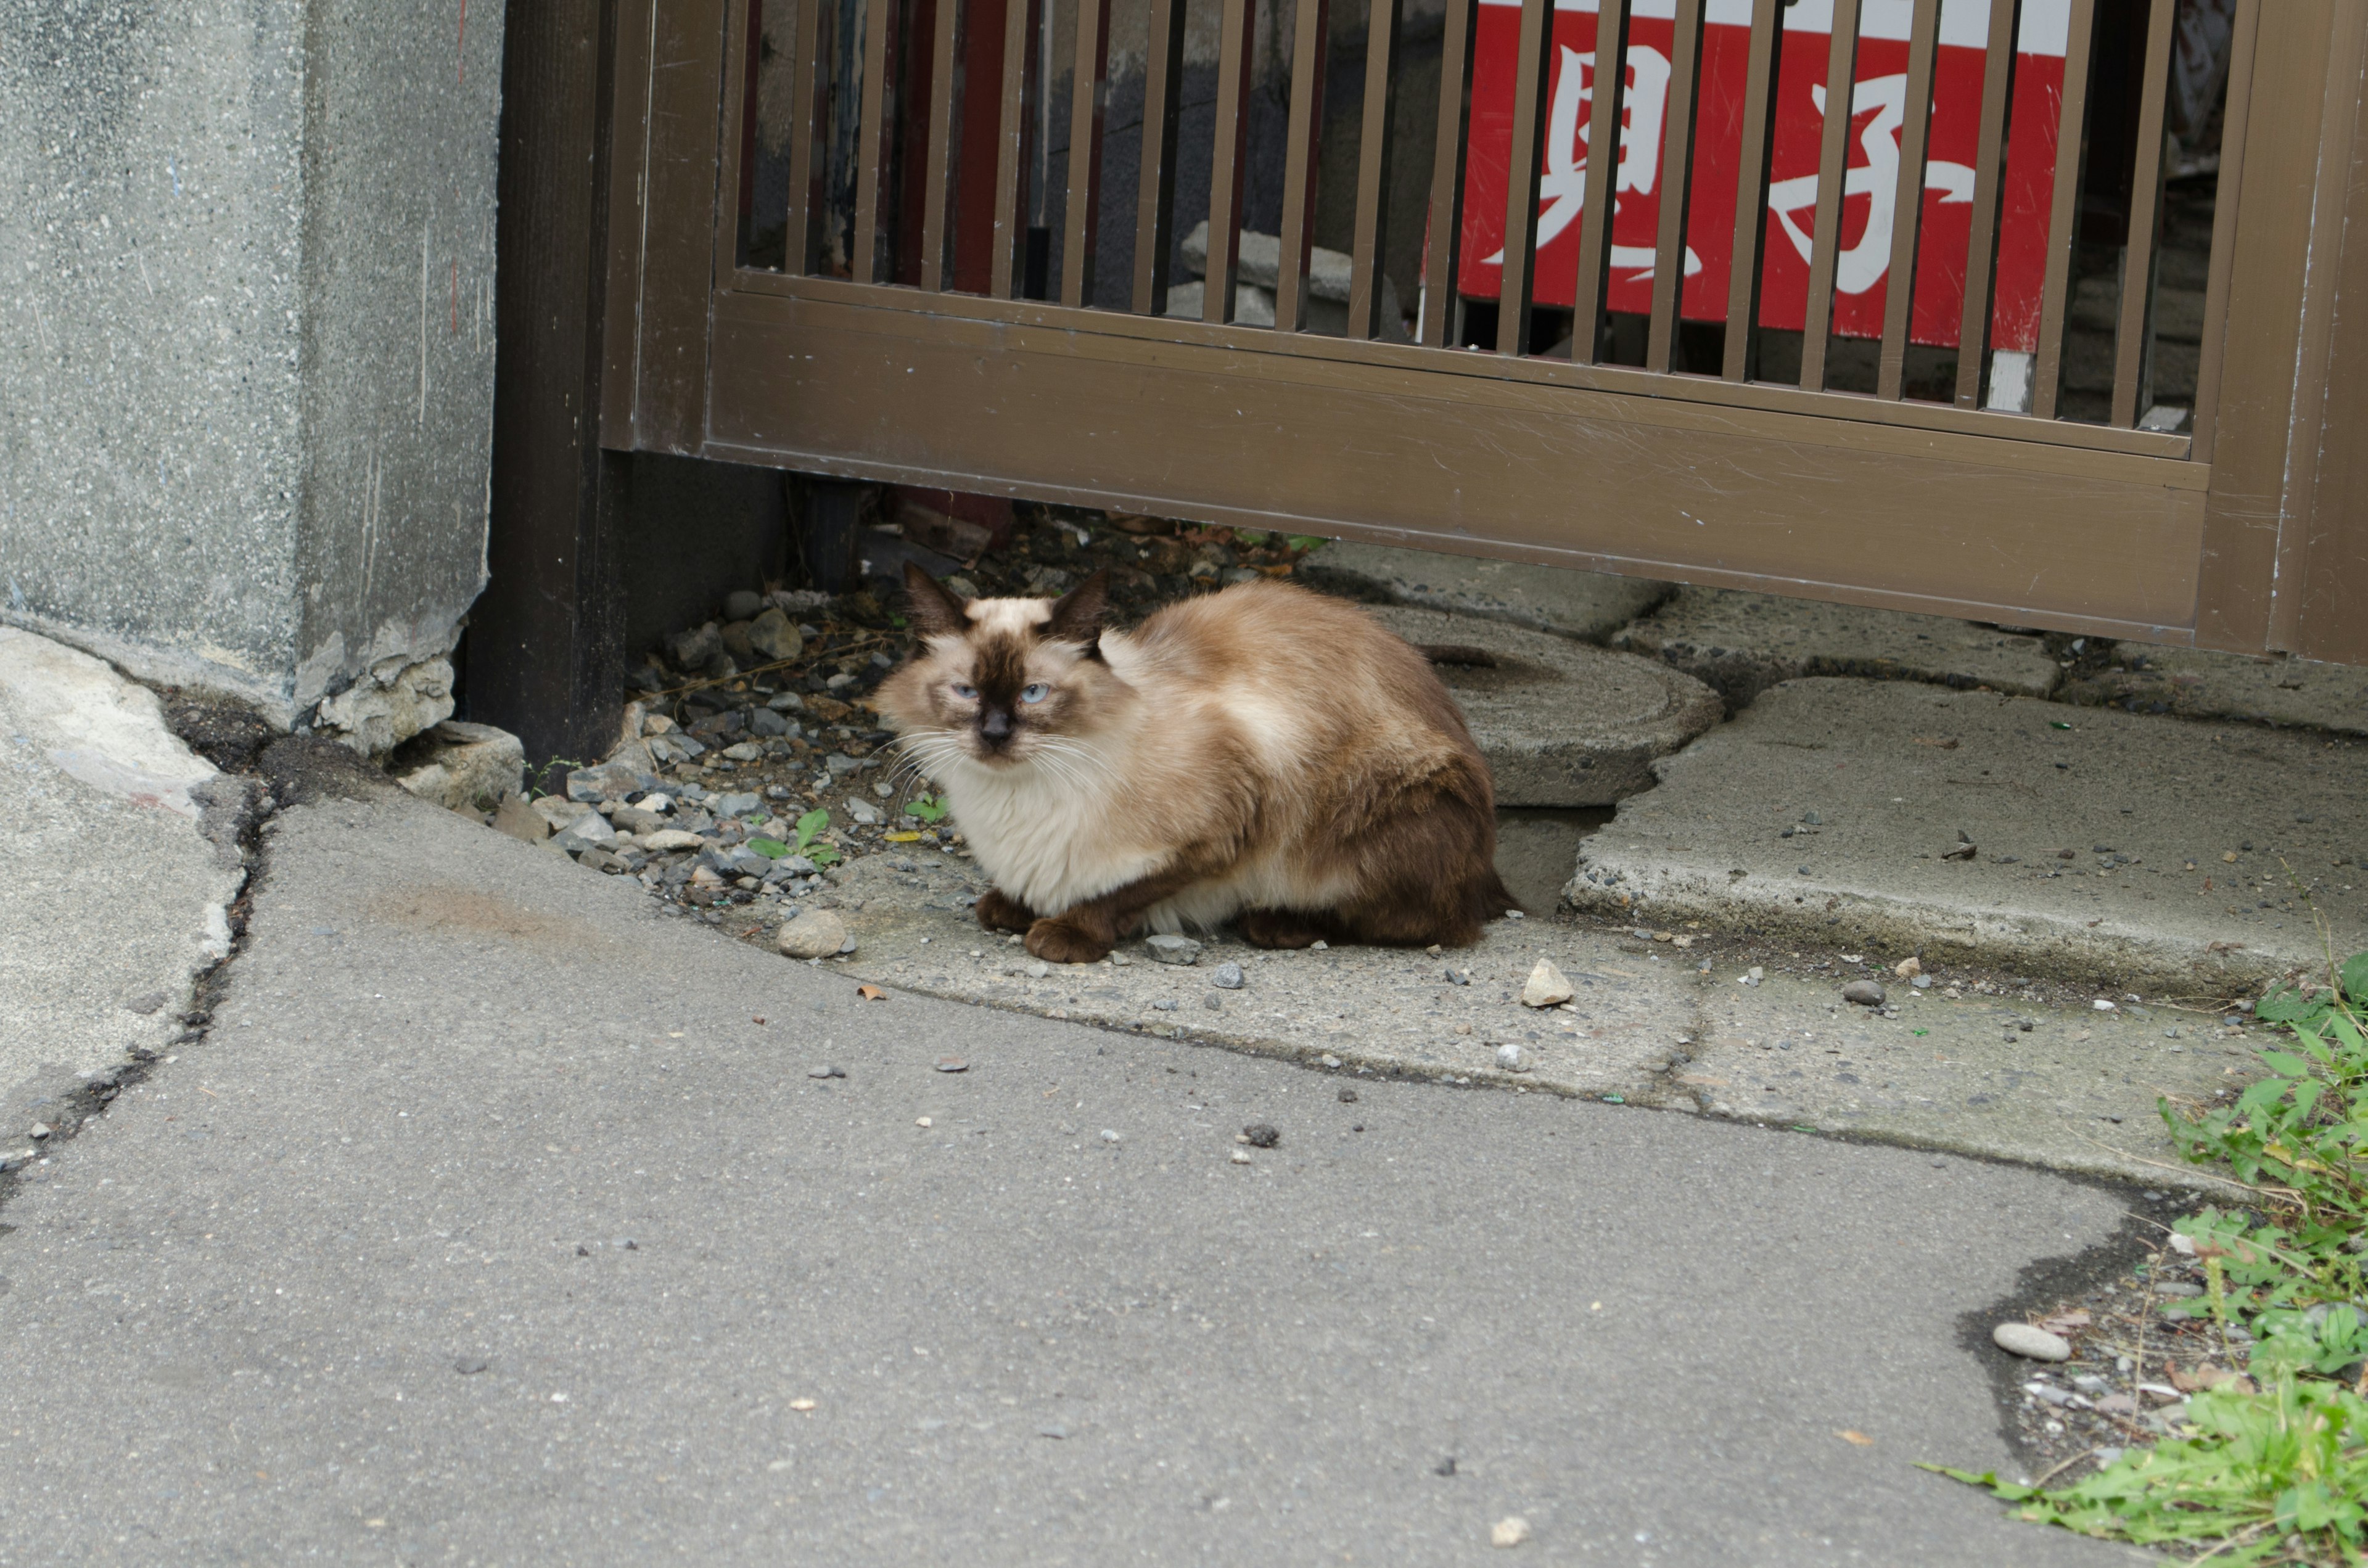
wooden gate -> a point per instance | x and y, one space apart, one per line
859 310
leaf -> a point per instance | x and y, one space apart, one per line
770 848
2286 1064
1857 1439
2353 977
904 838
823 855
813 823
1306 542
872 994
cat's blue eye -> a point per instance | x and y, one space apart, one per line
1037 692
964 692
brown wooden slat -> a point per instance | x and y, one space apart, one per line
1833 165
627 221
1677 185
1229 162
1087 96
731 147
1373 170
870 149
1310 34
687 48
2227 204
1602 176
1534 60
2130 345
942 134
1155 198
1989 165
1751 187
2063 210
1011 149
804 98
1907 201
1446 235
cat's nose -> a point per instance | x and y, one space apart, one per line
995 725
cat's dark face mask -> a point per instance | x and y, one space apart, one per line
999 678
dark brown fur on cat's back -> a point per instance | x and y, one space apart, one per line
1264 755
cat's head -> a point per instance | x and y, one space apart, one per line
1001 680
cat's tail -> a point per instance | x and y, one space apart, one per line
1496 900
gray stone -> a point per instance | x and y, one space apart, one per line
517 817
2199 684
583 833
774 636
814 934
1168 948
1864 993
768 721
1742 643
1229 975
559 811
464 765
1211 1001
743 751
1589 606
740 603
1508 1057
787 702
608 781
696 648
738 804
828 1070
2173 797
1560 722
2033 1344
1547 986
252 343
396 699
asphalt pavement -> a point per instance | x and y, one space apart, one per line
499 1218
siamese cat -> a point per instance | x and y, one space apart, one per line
1263 755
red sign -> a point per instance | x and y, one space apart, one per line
1877 108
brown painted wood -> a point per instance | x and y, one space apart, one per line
2250 460
1229 164
1989 179
871 149
1833 163
1535 57
626 101
1089 97
2227 209
677 237
1373 170
1155 202
736 132
1602 176
1487 464
1677 185
943 132
1011 150
1751 188
2334 583
1310 35
1907 201
2130 344
545 651
1444 240
805 97
2064 211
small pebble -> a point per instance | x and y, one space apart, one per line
1261 1135
1169 949
1865 992
1241 1156
1348 1096
469 1365
952 1065
1039 970
1511 1530
1229 975
1214 1002
2035 1343
828 1070
1508 1057
1108 1136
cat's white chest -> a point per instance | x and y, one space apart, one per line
1045 840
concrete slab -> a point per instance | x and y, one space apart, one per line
1589 606
1562 723
2182 836
2075 1092
1387 1010
1743 643
117 897
2199 684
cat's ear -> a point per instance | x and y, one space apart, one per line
936 610
1078 614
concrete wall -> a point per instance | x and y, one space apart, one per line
247 355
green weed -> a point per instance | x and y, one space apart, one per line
931 809
810 827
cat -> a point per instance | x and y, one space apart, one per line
1263 755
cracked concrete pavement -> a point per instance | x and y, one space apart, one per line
498 1218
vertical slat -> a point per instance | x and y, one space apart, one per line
2227 201
1989 164
2145 212
1155 198
1011 149
1531 61
1446 240
1907 201
943 132
2063 210
1833 164
1751 187
1310 40
879 15
1373 170
1086 101
739 130
1603 176
804 98
1227 167
1677 186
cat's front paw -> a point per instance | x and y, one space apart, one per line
1059 941
998 911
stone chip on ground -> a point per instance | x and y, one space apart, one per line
1589 606
814 934
1742 643
1561 723
2147 806
458 763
